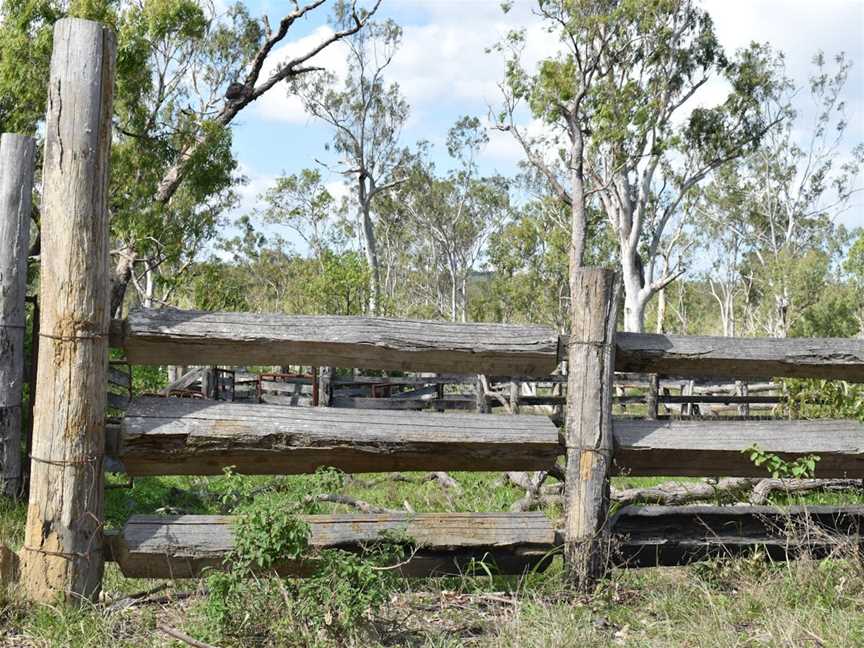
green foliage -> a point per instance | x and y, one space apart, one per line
345 590
264 536
815 398
341 590
779 468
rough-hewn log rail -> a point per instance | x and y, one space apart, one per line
168 336
841 358
710 448
675 535
166 436
446 543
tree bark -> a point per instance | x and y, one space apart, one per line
16 190
63 540
588 435
371 248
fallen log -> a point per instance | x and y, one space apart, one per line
676 493
763 490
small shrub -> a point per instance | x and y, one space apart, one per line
801 468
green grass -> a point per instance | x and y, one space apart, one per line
741 602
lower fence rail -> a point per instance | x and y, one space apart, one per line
441 544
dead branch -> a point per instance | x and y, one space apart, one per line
444 480
335 498
533 483
132 599
182 636
678 493
762 490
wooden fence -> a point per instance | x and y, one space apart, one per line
65 544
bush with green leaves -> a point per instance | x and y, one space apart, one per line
800 468
341 592
816 398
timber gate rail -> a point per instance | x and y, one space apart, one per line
65 544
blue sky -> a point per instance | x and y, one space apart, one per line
444 73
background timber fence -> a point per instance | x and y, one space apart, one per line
66 544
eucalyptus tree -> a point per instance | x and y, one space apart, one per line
302 202
450 217
854 266
780 204
366 115
617 108
184 73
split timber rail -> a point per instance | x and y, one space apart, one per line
65 546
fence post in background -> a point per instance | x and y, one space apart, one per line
514 396
16 192
480 393
62 552
588 433
31 404
651 398
743 390
325 386
208 383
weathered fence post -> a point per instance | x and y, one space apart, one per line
480 393
588 433
62 552
651 397
325 386
16 191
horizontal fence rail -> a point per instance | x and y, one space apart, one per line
841 358
168 336
441 544
713 448
445 543
167 436
650 536
163 436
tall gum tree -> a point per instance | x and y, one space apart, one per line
366 115
184 73
616 103
773 214
450 217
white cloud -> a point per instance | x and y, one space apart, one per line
440 61
249 193
278 104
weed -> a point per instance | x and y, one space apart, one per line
800 468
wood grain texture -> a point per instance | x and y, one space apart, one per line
166 436
185 546
16 191
840 358
588 434
168 336
675 535
63 535
710 448
446 543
